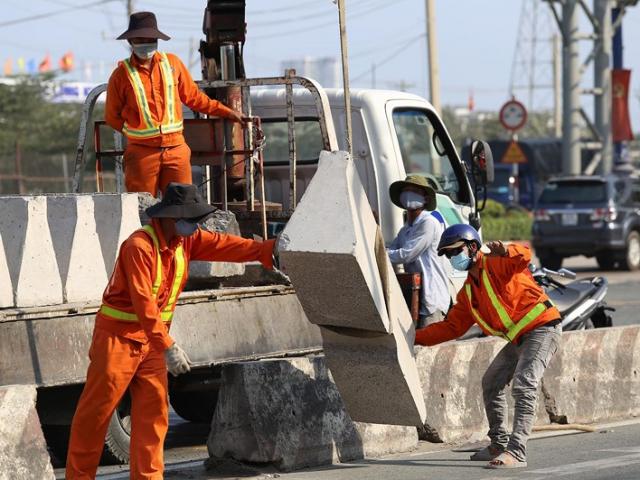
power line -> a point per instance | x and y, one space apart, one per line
51 14
391 56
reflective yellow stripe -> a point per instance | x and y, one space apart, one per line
167 312
151 129
478 318
502 313
512 329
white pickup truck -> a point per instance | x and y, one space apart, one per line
394 133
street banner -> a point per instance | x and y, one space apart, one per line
620 119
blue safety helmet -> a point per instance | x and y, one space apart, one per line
457 235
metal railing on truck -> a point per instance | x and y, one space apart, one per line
203 157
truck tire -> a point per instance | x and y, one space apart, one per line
197 407
118 439
631 260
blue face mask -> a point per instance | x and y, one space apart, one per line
185 228
144 51
411 200
461 262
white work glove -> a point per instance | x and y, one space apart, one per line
177 360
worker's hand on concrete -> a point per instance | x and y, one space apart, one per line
496 249
177 360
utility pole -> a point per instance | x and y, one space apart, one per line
571 149
342 18
432 49
557 86
129 8
602 82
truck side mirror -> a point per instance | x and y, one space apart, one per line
482 173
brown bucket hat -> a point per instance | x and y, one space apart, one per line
415 181
143 25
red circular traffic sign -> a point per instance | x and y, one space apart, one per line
513 115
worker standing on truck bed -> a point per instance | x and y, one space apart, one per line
131 347
415 245
145 94
501 296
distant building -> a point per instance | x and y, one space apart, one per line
325 70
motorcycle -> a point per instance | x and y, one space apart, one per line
580 302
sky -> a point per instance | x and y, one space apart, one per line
476 41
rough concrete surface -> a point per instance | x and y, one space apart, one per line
29 252
23 451
78 252
289 413
327 249
6 287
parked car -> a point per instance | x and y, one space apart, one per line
592 216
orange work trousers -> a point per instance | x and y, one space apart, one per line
151 169
118 363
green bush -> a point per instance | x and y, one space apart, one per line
502 223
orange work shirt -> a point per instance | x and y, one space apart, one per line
513 284
130 286
122 106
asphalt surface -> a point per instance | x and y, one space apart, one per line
613 453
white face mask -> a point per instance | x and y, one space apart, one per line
144 51
411 200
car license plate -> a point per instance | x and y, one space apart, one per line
569 219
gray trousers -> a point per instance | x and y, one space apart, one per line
525 363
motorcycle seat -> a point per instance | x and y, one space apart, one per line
572 295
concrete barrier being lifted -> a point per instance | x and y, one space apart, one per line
333 251
23 451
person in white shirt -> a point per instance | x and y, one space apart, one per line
416 245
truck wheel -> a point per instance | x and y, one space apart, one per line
550 260
197 407
606 260
631 259
118 439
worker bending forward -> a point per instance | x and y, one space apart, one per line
144 101
501 296
131 347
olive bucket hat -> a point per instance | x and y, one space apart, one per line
181 200
143 25
395 189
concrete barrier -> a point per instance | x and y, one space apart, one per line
23 451
289 413
334 253
116 218
593 377
6 288
78 252
29 253
327 250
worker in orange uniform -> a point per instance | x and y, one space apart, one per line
131 347
144 101
501 296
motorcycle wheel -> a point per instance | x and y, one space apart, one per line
601 319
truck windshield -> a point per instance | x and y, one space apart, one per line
574 192
423 150
308 141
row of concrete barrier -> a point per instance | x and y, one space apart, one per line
289 412
61 248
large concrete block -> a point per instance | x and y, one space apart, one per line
6 288
327 250
23 451
78 252
289 413
116 218
29 252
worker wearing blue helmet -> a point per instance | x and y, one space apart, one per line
501 296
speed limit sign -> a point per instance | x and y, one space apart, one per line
513 115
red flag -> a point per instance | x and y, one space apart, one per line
8 67
471 104
45 64
620 119
66 62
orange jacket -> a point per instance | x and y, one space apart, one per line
122 106
130 286
513 284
